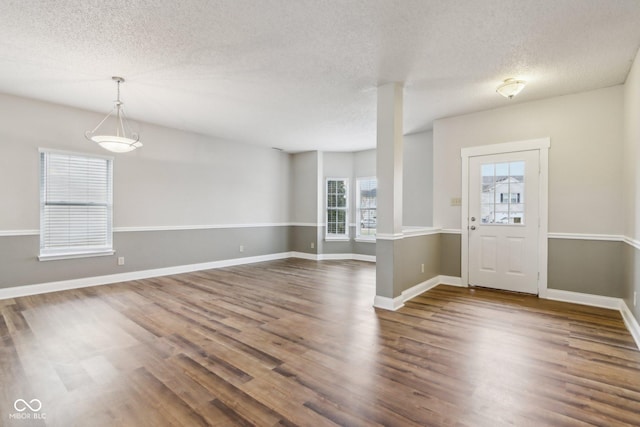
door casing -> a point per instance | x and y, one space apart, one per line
543 145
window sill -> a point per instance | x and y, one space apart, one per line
55 257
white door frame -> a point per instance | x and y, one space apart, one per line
542 145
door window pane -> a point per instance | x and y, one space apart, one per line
502 196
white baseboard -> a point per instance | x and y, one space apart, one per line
603 302
584 299
416 290
304 255
451 281
631 322
333 257
63 285
397 302
386 303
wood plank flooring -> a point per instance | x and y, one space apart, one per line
296 342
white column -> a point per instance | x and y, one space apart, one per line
389 197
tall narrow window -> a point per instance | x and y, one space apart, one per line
75 205
366 200
337 208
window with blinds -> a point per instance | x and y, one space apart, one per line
75 205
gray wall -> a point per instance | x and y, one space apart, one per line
409 253
450 253
631 188
597 267
586 266
301 238
631 279
177 180
143 250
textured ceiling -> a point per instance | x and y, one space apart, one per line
302 74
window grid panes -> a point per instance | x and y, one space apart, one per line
366 197
75 204
502 195
337 208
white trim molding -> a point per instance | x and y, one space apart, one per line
389 236
611 303
11 233
583 299
365 240
386 303
355 257
632 242
542 145
35 232
333 257
581 236
451 281
451 231
420 231
409 232
41 288
631 322
201 227
507 147
394 304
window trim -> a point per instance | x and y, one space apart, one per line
71 253
336 237
359 237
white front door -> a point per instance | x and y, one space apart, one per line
503 221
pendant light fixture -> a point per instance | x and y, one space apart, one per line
511 87
118 142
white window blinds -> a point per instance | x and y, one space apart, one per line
75 204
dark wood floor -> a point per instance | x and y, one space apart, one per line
297 342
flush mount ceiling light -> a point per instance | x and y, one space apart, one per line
118 142
511 87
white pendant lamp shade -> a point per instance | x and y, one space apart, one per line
511 87
118 142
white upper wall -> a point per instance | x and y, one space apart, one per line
585 159
632 150
339 165
176 179
364 163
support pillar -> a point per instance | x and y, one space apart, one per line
389 198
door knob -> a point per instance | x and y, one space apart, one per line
473 227
473 218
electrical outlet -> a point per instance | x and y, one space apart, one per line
422 268
120 260
313 245
241 248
